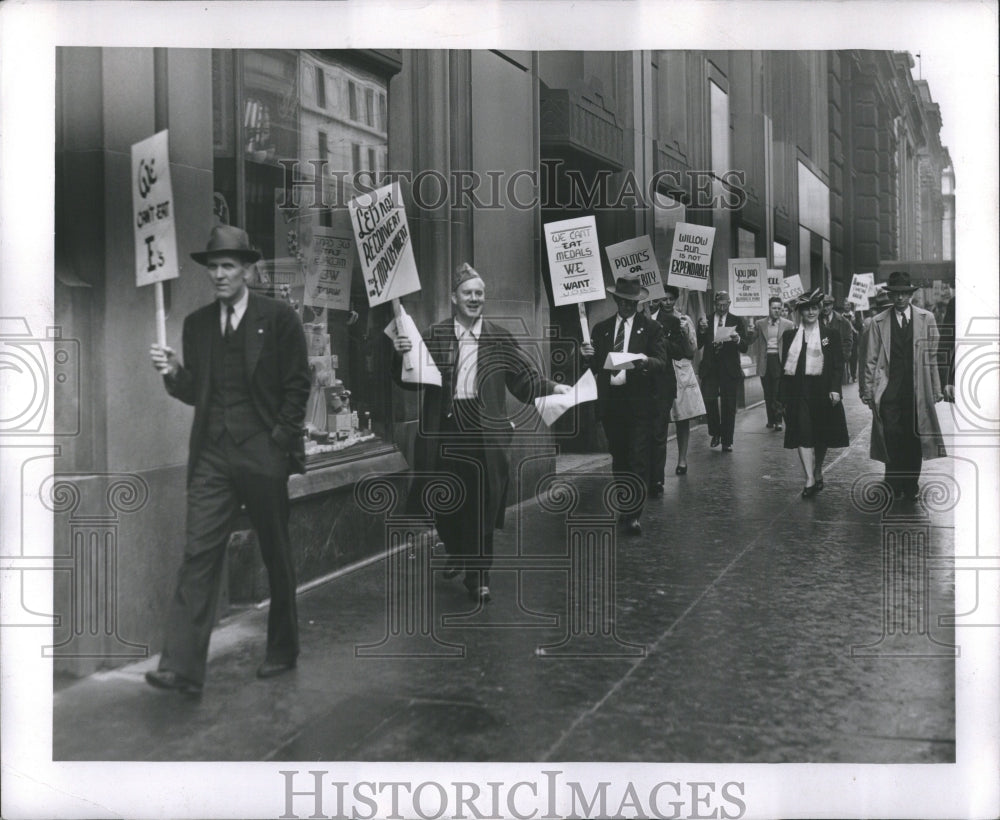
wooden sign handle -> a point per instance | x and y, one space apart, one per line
584 327
161 316
397 311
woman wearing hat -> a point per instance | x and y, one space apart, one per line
812 369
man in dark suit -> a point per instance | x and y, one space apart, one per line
246 373
465 428
721 373
662 311
626 398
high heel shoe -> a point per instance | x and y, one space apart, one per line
809 492
681 470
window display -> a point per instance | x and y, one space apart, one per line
295 134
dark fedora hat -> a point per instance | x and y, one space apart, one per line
227 240
629 287
899 282
813 298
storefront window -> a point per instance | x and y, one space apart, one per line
280 118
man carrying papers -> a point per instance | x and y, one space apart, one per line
464 428
627 350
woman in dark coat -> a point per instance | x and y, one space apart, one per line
809 392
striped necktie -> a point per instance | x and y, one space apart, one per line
620 337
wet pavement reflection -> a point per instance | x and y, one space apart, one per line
744 624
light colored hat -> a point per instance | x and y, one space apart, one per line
463 273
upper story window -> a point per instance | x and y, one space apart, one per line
283 117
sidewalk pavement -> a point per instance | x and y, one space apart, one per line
744 624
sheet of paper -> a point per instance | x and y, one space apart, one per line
424 371
621 361
552 407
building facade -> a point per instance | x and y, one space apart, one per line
823 163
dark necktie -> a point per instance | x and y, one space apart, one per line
902 320
620 337
229 320
800 365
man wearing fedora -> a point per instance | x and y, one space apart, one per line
627 399
465 429
246 372
902 385
721 372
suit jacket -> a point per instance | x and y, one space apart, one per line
276 361
641 383
758 349
926 378
724 363
501 365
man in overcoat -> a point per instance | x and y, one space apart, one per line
723 338
902 385
465 428
766 353
626 399
246 372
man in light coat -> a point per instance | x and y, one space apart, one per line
902 385
765 351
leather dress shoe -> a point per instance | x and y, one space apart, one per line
166 679
270 669
819 484
769 426
715 441
727 448
656 491
809 492
480 594
778 428
681 470
633 527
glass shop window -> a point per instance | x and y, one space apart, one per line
276 109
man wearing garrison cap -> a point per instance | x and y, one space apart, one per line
465 429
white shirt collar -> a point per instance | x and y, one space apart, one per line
907 313
476 329
239 308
